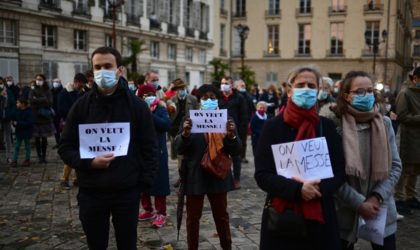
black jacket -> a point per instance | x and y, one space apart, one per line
140 164
321 236
250 107
236 108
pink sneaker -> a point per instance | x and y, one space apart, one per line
159 221
146 216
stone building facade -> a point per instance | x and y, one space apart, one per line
56 37
332 34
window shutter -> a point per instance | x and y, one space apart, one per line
149 8
139 7
196 16
207 19
163 10
184 13
102 3
54 70
177 9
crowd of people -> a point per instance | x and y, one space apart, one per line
366 129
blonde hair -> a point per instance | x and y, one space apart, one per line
304 68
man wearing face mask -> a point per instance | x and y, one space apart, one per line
325 92
152 78
250 110
236 107
408 115
110 185
13 87
55 91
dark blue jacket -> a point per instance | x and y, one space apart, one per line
24 123
256 128
8 106
55 94
66 100
162 125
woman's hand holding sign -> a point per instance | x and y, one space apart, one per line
102 161
310 189
230 129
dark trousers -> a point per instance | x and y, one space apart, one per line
95 209
243 137
237 165
57 130
218 204
389 244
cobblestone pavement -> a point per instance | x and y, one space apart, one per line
35 213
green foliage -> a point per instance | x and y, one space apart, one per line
247 75
136 47
219 68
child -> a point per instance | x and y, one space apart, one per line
257 123
24 124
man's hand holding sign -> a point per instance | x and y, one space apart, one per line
305 161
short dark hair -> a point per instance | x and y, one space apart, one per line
80 78
416 72
108 50
208 88
229 79
89 73
42 76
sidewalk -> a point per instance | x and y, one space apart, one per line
35 213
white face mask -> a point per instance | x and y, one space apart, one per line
225 87
9 83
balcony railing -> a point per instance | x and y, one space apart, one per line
240 14
189 32
335 52
337 11
50 4
154 24
416 53
273 13
81 11
304 12
133 19
272 53
173 28
223 12
203 35
303 52
223 52
236 53
373 8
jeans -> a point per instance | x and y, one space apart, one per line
27 148
389 244
97 206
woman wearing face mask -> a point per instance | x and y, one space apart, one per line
160 189
56 89
271 97
41 102
313 199
372 162
198 182
257 123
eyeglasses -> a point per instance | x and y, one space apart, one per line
362 91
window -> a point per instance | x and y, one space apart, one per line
338 5
187 77
50 3
305 6
189 18
222 37
189 54
416 50
201 77
336 36
374 4
222 4
80 40
171 51
271 77
273 7
171 75
240 8
172 13
202 56
7 32
273 40
335 76
236 45
80 68
304 39
49 36
372 34
108 40
9 67
154 50
50 70
417 35
81 7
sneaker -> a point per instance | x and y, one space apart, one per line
65 185
159 221
403 208
413 203
13 164
146 216
400 217
237 184
26 163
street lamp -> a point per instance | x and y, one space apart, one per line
374 44
243 35
114 4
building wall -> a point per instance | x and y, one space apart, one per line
29 16
356 53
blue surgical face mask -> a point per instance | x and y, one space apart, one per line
304 97
418 84
182 93
209 104
106 79
225 87
149 100
56 85
322 95
132 87
363 103
242 90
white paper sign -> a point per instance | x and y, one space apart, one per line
208 121
373 230
103 138
307 159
